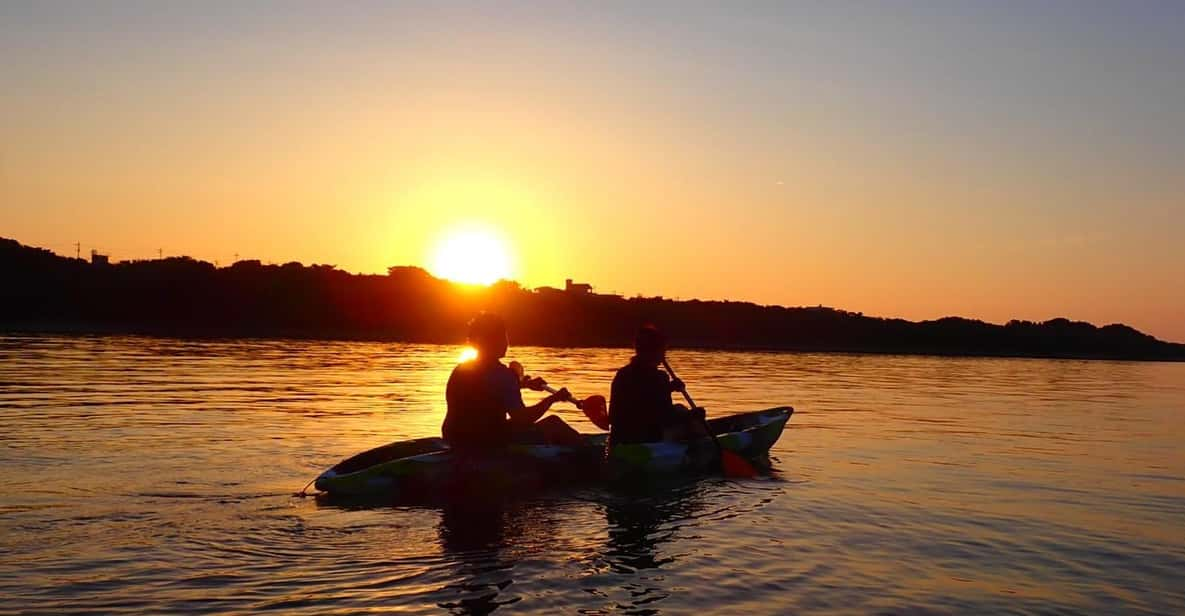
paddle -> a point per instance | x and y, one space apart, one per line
731 462
595 407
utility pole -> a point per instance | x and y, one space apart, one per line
77 250
160 253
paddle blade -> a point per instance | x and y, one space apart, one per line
736 466
597 411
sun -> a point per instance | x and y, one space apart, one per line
471 256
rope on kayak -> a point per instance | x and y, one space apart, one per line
303 491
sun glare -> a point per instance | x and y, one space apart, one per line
467 354
472 256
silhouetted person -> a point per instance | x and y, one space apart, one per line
482 393
640 407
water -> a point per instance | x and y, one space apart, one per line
154 475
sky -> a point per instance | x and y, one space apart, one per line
993 160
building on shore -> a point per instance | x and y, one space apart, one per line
577 288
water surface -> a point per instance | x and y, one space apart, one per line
157 475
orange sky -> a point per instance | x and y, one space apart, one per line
938 162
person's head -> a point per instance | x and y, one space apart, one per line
487 334
650 345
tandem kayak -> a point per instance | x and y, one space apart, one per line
426 467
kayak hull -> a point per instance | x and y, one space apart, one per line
428 468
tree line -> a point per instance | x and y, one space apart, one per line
181 296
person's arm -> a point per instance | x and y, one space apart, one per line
679 412
677 385
519 412
527 415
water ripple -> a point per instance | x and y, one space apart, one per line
156 475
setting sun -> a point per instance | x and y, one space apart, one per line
472 256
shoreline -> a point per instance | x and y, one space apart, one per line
196 334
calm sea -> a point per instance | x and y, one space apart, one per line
157 475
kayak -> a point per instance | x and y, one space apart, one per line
427 467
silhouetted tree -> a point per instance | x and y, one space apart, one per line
186 297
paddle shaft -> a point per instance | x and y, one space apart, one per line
551 390
517 368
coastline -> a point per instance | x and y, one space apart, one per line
227 334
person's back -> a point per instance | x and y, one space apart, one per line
640 407
485 404
640 403
479 394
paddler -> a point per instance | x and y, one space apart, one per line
640 407
486 408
